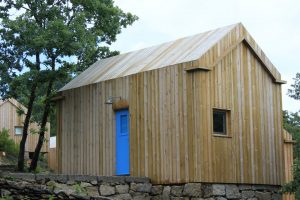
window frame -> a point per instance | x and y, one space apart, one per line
16 128
226 126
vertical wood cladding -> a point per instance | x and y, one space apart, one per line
171 138
9 119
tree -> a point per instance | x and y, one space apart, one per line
7 144
52 40
295 91
19 53
291 122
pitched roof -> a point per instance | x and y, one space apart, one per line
179 51
14 103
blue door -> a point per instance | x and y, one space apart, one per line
122 142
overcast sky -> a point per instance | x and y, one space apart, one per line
274 24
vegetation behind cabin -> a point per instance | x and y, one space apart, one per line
291 123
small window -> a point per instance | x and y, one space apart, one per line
18 130
219 122
124 124
30 154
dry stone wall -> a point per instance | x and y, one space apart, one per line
41 186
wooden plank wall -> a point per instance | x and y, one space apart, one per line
9 119
170 109
52 159
171 138
288 162
87 140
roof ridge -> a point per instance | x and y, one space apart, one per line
185 49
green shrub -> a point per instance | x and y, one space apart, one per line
6 198
7 144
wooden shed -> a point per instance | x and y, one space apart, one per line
204 108
12 121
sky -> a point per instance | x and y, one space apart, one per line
274 24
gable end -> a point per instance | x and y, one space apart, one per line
245 41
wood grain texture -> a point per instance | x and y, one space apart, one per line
52 159
171 138
9 119
288 162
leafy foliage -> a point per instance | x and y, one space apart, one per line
295 91
44 43
79 190
291 122
71 33
294 186
8 145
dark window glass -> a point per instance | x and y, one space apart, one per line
31 155
219 120
124 124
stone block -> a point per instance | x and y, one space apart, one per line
140 196
102 198
218 190
59 188
141 187
157 197
85 184
192 190
176 191
82 178
71 182
122 197
245 187
260 187
198 198
4 192
179 198
121 189
131 179
95 182
156 190
23 176
166 193
246 194
52 177
75 196
92 191
213 190
20 185
263 195
220 198
107 190
144 187
232 191
111 179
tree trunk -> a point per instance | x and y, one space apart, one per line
27 118
46 113
39 145
25 127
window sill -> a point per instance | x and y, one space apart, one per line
223 136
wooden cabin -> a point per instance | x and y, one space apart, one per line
204 108
13 122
